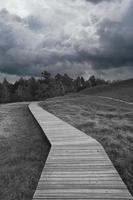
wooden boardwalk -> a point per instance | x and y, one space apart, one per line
77 166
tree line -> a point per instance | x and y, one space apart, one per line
46 87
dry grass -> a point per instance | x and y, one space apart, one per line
23 151
110 122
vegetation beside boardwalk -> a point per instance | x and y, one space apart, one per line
23 151
110 122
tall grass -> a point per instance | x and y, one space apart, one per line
23 152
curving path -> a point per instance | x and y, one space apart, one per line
77 166
118 100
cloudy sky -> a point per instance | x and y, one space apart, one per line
78 37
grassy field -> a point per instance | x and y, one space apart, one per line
110 122
23 151
122 90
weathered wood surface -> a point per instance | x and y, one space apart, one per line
77 166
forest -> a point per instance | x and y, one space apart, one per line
46 87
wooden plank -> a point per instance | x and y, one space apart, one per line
77 166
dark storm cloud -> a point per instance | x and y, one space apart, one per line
17 51
60 39
116 41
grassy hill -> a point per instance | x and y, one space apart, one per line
110 122
23 148
23 151
121 90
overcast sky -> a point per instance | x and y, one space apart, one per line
78 37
